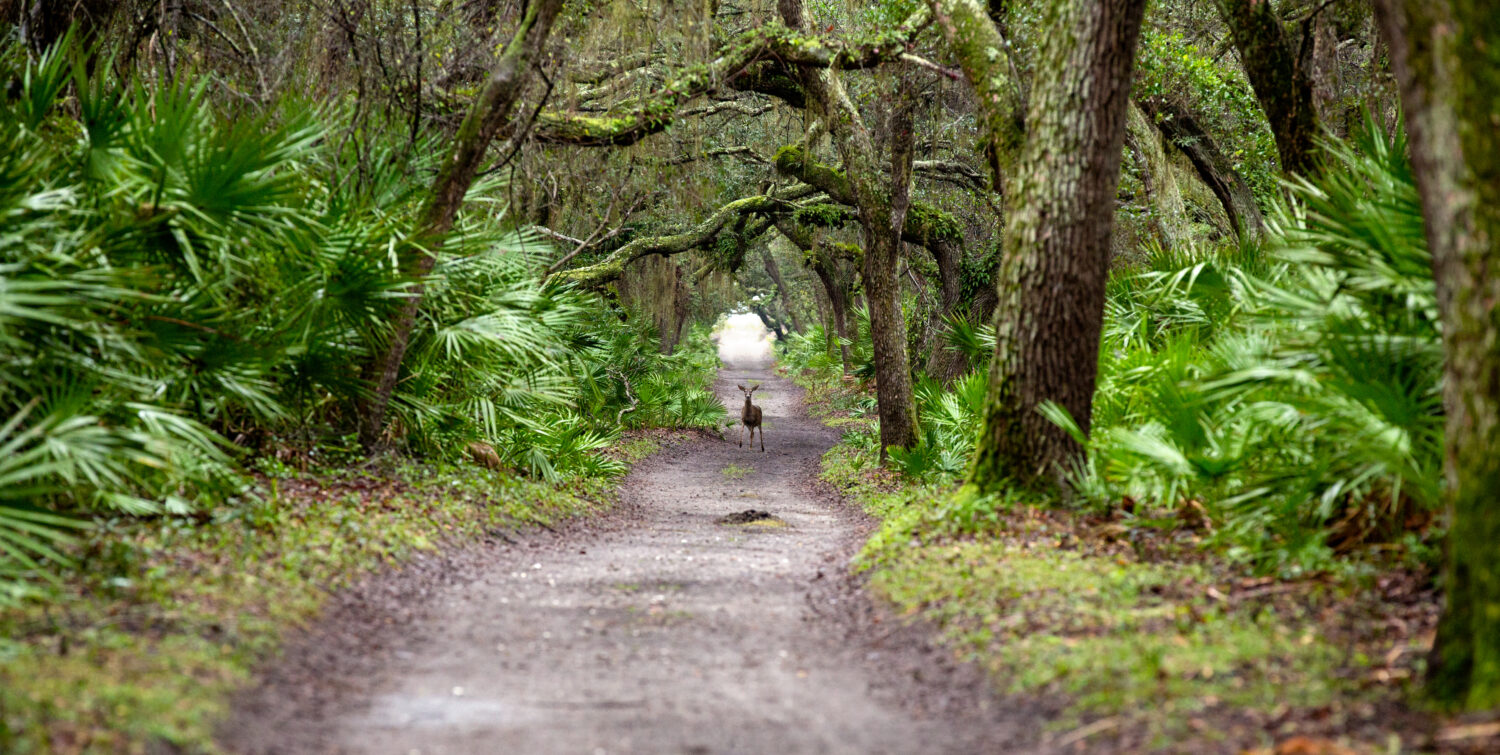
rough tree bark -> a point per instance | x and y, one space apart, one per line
1060 208
1280 72
490 113
1446 57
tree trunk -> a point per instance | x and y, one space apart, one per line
1187 134
770 321
490 113
43 23
773 270
882 213
974 37
947 364
1280 72
825 319
1060 210
840 305
834 286
1446 57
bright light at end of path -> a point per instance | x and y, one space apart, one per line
743 340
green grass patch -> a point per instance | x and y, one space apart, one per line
1126 619
735 471
1114 637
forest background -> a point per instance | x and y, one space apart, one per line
1210 278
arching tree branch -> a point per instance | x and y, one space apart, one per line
975 40
951 171
746 55
697 236
924 224
1184 131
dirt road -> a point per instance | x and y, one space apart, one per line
658 630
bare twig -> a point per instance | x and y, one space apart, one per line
1084 732
1310 15
630 394
549 233
952 73
554 267
215 29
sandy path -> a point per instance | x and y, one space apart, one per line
662 632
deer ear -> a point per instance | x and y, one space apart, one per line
741 387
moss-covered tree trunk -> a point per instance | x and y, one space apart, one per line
838 302
490 113
1446 57
970 30
948 364
835 286
1060 209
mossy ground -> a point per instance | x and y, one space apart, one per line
164 618
1134 634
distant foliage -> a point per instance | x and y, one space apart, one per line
1168 65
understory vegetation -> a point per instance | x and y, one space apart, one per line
1284 395
1257 505
189 299
187 289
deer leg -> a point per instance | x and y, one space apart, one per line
762 438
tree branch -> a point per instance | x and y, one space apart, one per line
952 171
770 42
701 234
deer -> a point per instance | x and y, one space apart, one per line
750 419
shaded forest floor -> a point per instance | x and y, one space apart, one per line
1137 636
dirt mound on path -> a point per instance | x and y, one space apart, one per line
751 516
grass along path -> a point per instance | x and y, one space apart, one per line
165 618
1136 636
